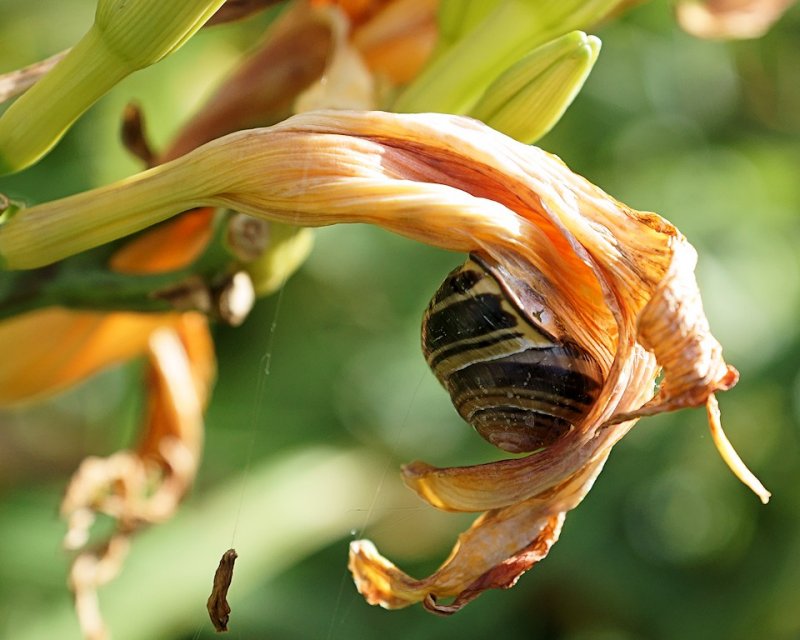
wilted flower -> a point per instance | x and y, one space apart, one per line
616 282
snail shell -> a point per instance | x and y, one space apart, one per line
516 383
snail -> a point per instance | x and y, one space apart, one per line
484 337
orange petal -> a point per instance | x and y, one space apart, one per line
397 41
47 351
171 246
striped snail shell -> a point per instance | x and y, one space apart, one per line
517 384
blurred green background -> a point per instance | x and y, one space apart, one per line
323 393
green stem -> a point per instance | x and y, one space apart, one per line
31 126
31 238
78 289
85 282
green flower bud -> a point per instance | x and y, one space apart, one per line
527 100
457 78
288 249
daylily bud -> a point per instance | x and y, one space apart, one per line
288 247
125 36
530 97
456 80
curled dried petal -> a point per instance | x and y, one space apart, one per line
499 547
91 569
505 574
141 487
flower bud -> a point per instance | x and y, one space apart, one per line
457 78
527 100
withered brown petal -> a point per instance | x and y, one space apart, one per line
505 574
218 608
134 136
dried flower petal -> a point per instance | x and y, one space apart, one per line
141 487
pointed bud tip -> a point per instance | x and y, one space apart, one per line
580 44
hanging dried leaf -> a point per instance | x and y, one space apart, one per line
218 608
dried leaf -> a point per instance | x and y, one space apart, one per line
218 608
